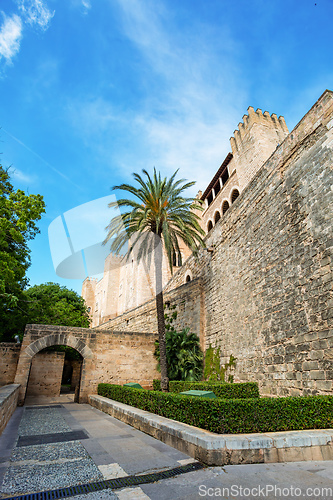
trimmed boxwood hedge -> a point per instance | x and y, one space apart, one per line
230 416
220 389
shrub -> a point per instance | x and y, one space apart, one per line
184 355
220 389
225 416
214 371
157 385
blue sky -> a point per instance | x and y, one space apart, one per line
93 90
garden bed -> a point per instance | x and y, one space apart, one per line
220 389
230 416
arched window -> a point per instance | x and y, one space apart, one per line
234 195
188 276
210 225
225 206
217 217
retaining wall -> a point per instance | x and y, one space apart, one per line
224 449
8 402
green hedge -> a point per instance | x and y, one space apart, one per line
230 416
220 389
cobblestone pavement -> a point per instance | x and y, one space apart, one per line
52 446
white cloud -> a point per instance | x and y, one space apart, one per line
21 176
192 106
86 4
10 37
35 13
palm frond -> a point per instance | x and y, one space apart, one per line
159 208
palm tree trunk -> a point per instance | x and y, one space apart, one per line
158 255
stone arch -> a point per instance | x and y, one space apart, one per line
217 216
59 339
225 206
234 195
209 226
25 359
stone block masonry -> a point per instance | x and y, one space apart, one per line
9 355
108 356
264 291
268 282
188 300
45 374
8 403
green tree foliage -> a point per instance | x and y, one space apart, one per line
159 214
184 355
18 215
52 304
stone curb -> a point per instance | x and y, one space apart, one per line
223 449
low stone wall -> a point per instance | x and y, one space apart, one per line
9 355
224 449
8 402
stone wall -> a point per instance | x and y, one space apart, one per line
8 403
108 356
268 282
45 374
189 302
9 355
266 285
125 285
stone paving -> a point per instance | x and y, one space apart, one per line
109 448
45 454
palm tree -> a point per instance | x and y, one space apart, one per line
159 218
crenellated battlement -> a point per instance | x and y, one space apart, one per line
265 122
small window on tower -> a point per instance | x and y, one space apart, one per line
225 207
234 195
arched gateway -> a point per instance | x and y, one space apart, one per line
108 356
48 340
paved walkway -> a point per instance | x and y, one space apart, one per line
63 444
